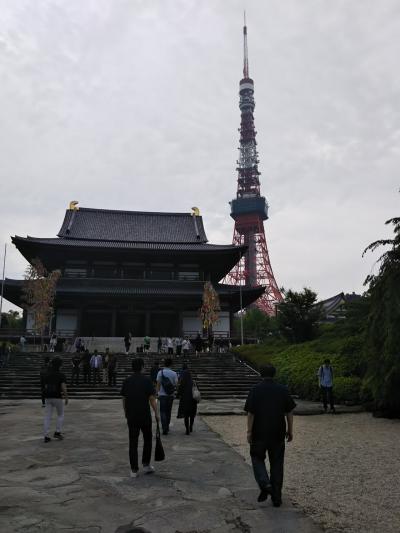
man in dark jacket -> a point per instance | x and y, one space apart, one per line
268 405
138 394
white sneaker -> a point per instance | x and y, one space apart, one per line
134 474
148 469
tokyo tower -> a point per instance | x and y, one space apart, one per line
249 209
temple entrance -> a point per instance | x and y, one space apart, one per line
164 325
96 323
135 323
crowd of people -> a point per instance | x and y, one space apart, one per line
269 409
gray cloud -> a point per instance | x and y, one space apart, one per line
133 105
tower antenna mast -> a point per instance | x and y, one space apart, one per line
249 209
245 50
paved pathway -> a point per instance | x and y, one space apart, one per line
81 485
235 407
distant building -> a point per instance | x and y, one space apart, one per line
334 308
132 271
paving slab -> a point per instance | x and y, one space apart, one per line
82 484
235 406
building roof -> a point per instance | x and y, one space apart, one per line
132 226
127 288
125 245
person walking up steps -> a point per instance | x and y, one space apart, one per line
76 361
112 369
55 390
96 362
167 381
138 394
267 406
187 404
325 379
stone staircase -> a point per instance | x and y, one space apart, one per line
218 376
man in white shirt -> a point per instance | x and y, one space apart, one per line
167 381
96 363
325 379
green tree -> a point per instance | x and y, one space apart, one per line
382 345
255 324
298 315
39 291
11 320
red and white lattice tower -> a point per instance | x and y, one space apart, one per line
249 209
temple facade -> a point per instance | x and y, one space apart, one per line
131 271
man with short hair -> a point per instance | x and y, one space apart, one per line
268 405
325 379
55 391
167 381
96 362
112 369
138 394
76 361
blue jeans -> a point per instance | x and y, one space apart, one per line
165 411
276 454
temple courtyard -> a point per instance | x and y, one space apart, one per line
341 475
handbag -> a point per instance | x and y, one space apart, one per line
159 454
196 393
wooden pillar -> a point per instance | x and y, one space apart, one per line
113 322
147 323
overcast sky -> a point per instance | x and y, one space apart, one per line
129 104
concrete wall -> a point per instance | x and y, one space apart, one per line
191 323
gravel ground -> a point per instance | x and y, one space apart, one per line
343 470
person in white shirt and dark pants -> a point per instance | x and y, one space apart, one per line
325 378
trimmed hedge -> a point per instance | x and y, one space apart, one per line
297 364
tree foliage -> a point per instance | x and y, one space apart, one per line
383 331
256 324
209 311
11 320
298 315
39 290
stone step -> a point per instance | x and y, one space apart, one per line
219 376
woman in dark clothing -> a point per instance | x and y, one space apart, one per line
198 344
187 405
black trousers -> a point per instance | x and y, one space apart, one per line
96 375
327 397
165 411
75 374
276 455
112 378
87 374
135 427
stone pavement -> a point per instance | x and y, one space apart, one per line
235 407
82 484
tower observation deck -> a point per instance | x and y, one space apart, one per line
249 209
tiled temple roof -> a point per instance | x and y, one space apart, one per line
132 226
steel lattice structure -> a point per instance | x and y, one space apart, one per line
249 209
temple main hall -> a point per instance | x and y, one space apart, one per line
133 271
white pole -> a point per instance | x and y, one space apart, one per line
241 301
2 280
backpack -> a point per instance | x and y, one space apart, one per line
168 386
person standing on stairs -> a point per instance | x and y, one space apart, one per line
87 371
96 362
127 342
